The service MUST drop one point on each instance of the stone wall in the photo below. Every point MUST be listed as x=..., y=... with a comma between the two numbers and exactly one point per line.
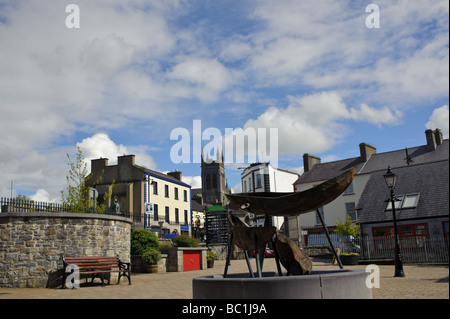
x=32, y=244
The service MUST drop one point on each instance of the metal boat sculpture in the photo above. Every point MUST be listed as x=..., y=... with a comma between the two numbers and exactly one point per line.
x=281, y=204
x=295, y=203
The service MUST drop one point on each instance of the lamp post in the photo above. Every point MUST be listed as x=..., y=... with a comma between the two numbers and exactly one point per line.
x=390, y=178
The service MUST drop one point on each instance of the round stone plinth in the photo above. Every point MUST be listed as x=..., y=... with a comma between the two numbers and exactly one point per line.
x=320, y=284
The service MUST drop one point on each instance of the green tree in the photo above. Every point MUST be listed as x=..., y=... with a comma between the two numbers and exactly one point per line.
x=76, y=195
x=347, y=228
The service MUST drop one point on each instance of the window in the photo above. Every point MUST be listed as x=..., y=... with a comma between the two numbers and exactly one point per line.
x=208, y=182
x=155, y=212
x=404, y=201
x=349, y=190
x=176, y=193
x=404, y=231
x=351, y=211
x=166, y=190
x=155, y=188
x=186, y=221
x=245, y=186
x=410, y=201
x=177, y=216
x=214, y=181
x=185, y=195
x=445, y=225
x=167, y=215
x=258, y=181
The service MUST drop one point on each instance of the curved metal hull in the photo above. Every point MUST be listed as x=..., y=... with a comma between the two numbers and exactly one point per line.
x=295, y=203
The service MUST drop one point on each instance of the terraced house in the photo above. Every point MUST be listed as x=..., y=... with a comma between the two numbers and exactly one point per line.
x=156, y=201
x=421, y=193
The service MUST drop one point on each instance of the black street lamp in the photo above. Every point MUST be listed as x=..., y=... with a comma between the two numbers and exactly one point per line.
x=390, y=178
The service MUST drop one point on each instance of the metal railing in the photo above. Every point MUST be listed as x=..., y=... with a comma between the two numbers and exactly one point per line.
x=413, y=249
x=16, y=205
x=20, y=205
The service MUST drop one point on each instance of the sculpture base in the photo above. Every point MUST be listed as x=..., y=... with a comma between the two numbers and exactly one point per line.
x=320, y=284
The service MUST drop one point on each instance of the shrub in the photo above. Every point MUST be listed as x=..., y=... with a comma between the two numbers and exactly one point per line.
x=186, y=241
x=141, y=240
x=349, y=254
x=151, y=256
x=211, y=256
x=165, y=245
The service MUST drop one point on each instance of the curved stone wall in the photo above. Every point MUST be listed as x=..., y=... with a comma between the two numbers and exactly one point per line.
x=31, y=244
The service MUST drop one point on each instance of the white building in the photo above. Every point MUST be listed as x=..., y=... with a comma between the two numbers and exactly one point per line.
x=263, y=177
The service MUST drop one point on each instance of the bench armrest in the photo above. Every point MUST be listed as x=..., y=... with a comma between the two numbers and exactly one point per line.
x=123, y=265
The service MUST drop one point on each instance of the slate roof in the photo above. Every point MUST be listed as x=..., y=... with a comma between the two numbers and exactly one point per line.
x=325, y=171
x=430, y=180
x=426, y=172
x=377, y=162
x=418, y=155
x=165, y=177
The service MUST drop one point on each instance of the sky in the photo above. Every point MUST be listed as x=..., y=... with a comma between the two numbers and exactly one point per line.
x=323, y=73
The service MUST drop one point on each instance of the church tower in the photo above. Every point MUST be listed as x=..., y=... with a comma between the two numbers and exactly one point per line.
x=214, y=185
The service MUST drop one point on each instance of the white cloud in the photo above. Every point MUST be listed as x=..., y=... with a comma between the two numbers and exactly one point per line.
x=100, y=145
x=376, y=116
x=327, y=45
x=439, y=119
x=204, y=78
x=140, y=60
x=314, y=123
x=107, y=55
x=237, y=189
x=42, y=195
x=194, y=181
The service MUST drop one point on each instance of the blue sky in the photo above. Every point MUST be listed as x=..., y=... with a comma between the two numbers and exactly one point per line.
x=136, y=70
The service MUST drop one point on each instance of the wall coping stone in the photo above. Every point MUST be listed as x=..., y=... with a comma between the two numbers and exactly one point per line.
x=65, y=215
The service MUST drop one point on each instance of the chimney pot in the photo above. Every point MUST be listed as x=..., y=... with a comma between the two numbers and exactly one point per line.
x=431, y=141
x=438, y=137
x=309, y=161
x=366, y=151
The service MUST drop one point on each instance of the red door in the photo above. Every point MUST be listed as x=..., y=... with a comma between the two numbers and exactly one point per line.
x=191, y=260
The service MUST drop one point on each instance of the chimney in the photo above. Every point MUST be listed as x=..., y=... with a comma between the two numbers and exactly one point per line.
x=431, y=141
x=309, y=161
x=176, y=174
x=366, y=151
x=127, y=160
x=438, y=137
x=97, y=165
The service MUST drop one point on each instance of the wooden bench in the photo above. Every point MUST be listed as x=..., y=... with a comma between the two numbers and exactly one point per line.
x=97, y=266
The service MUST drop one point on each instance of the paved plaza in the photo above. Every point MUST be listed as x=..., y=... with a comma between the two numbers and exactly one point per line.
x=422, y=281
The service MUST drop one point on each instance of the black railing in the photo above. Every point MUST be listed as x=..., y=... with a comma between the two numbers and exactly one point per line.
x=16, y=205
x=21, y=205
